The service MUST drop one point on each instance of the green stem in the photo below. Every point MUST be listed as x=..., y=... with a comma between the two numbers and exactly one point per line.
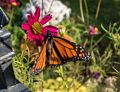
x=11, y=16
x=87, y=13
x=81, y=11
x=42, y=77
x=85, y=42
x=60, y=69
x=98, y=9
x=98, y=40
x=91, y=42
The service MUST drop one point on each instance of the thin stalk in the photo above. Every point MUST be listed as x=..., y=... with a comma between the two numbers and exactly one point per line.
x=81, y=11
x=42, y=76
x=98, y=40
x=91, y=42
x=31, y=4
x=87, y=12
x=50, y=5
x=11, y=17
x=61, y=72
x=98, y=9
x=84, y=44
x=42, y=8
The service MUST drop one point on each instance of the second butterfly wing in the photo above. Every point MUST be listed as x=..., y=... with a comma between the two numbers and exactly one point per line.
x=40, y=64
x=69, y=51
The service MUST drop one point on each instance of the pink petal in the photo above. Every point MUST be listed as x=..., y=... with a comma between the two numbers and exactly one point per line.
x=37, y=14
x=25, y=26
x=17, y=3
x=11, y=0
x=92, y=30
x=38, y=40
x=50, y=28
x=30, y=19
x=45, y=19
x=30, y=36
x=92, y=33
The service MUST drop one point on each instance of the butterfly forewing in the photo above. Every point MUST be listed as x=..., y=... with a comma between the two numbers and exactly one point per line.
x=41, y=61
x=64, y=42
x=69, y=51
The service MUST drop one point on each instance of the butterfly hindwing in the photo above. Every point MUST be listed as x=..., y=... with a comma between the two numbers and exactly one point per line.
x=55, y=60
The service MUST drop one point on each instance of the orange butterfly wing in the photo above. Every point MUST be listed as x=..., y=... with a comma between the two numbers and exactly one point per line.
x=41, y=61
x=55, y=60
x=65, y=48
x=70, y=51
x=64, y=51
x=57, y=51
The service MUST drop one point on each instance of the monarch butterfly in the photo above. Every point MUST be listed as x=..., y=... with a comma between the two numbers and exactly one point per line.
x=57, y=51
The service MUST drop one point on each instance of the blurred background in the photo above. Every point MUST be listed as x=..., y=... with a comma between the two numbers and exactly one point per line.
x=95, y=24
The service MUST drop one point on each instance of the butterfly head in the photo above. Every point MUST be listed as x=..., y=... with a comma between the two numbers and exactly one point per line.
x=49, y=34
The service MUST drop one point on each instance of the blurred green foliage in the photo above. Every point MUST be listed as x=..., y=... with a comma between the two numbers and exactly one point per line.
x=109, y=10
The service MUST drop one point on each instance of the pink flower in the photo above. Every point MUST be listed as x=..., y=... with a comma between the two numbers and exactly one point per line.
x=93, y=30
x=14, y=3
x=7, y=4
x=35, y=29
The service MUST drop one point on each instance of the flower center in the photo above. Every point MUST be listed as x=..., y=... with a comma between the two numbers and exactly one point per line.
x=37, y=27
x=14, y=3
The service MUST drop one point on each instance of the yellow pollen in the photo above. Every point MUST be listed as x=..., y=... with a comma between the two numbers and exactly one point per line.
x=96, y=29
x=37, y=27
x=14, y=3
